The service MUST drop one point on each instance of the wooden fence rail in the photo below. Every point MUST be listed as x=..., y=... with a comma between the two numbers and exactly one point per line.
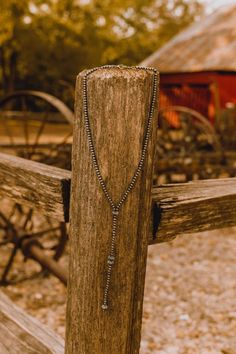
x=192, y=207
x=34, y=184
x=176, y=210
x=23, y=334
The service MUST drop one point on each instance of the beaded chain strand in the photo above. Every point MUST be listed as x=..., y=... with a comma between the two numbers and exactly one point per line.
x=116, y=207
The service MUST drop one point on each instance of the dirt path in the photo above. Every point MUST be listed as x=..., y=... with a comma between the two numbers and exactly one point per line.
x=190, y=296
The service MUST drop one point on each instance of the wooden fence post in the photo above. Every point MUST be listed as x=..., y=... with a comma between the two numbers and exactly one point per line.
x=119, y=102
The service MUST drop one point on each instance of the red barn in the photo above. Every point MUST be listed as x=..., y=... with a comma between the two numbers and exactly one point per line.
x=198, y=66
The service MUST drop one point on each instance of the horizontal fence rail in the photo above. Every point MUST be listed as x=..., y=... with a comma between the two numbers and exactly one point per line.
x=178, y=209
x=192, y=207
x=44, y=187
x=21, y=333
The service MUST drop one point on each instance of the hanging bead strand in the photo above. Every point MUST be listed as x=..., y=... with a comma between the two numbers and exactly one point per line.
x=115, y=207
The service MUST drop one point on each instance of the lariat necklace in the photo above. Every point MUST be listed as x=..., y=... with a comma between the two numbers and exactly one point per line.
x=116, y=206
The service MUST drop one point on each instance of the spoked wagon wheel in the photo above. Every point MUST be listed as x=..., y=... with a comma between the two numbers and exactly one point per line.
x=36, y=126
x=183, y=136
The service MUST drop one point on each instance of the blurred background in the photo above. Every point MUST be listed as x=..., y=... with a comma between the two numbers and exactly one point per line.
x=44, y=44
x=190, y=288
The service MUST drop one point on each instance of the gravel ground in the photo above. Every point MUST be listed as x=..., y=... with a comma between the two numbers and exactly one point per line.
x=190, y=293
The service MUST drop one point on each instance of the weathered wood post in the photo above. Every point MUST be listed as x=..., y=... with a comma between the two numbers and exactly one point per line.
x=119, y=100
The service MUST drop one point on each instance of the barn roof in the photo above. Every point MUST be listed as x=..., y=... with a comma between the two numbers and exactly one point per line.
x=207, y=45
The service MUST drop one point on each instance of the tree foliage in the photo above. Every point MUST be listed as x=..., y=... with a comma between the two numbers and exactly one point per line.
x=45, y=43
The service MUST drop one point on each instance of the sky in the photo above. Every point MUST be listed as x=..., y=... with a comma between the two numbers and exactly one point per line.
x=215, y=4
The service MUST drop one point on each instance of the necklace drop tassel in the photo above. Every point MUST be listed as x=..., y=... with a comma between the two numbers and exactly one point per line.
x=110, y=258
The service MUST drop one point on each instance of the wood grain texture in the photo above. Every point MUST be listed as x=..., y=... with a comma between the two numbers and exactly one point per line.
x=43, y=187
x=179, y=208
x=119, y=101
x=23, y=334
x=193, y=207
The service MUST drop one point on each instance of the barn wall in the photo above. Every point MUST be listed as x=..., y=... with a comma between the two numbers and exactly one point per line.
x=227, y=89
x=206, y=92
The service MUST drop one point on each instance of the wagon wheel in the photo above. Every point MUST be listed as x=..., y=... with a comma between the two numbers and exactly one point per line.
x=36, y=126
x=183, y=134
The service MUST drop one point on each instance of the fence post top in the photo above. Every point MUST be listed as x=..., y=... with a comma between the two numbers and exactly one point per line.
x=108, y=71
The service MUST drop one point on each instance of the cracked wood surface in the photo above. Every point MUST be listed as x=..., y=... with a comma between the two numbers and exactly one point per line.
x=119, y=102
x=191, y=207
x=46, y=188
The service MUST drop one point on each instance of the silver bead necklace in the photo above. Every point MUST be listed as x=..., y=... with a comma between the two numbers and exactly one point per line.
x=116, y=206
